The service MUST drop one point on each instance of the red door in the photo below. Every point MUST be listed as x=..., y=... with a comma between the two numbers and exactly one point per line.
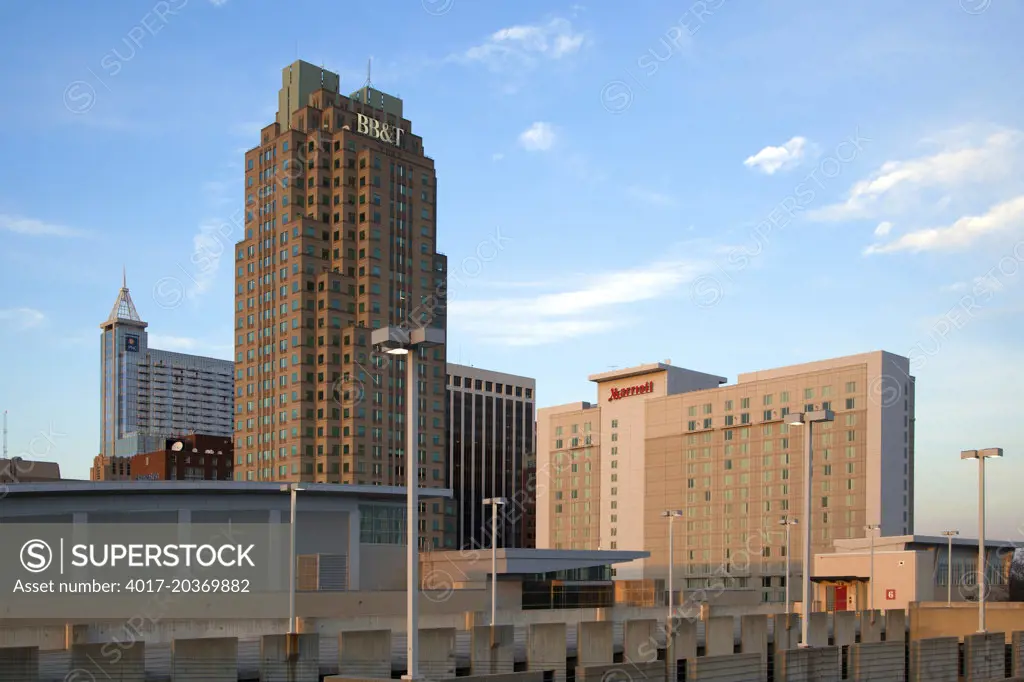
x=840, y=603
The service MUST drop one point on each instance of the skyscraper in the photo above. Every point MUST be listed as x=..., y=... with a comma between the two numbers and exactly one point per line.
x=490, y=437
x=340, y=239
x=149, y=395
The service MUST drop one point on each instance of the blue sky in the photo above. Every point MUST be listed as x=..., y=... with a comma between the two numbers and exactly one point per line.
x=734, y=187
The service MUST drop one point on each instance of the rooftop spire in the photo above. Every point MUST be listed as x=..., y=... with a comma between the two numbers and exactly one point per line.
x=124, y=309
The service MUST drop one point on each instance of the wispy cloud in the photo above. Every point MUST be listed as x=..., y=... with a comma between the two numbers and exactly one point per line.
x=218, y=3
x=539, y=137
x=650, y=196
x=896, y=183
x=883, y=229
x=773, y=159
x=37, y=228
x=594, y=306
x=1003, y=217
x=20, y=319
x=525, y=45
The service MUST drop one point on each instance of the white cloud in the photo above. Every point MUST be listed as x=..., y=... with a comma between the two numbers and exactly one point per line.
x=1003, y=217
x=772, y=159
x=525, y=45
x=37, y=228
x=650, y=196
x=896, y=182
x=20, y=319
x=208, y=244
x=589, y=308
x=218, y=3
x=539, y=137
x=883, y=229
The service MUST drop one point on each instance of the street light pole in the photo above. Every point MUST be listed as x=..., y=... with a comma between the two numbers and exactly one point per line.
x=949, y=565
x=807, y=419
x=495, y=502
x=670, y=648
x=291, y=564
x=871, y=575
x=981, y=456
x=787, y=522
x=403, y=341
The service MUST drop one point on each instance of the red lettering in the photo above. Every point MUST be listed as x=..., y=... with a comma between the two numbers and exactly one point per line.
x=639, y=389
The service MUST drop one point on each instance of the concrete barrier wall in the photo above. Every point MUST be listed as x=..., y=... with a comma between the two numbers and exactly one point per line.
x=877, y=661
x=719, y=636
x=621, y=672
x=844, y=628
x=754, y=638
x=896, y=625
x=1018, y=654
x=871, y=626
x=277, y=666
x=785, y=631
x=817, y=629
x=984, y=657
x=935, y=660
x=594, y=643
x=545, y=648
x=108, y=662
x=492, y=650
x=640, y=640
x=932, y=619
x=807, y=665
x=365, y=654
x=729, y=668
x=685, y=640
x=214, y=659
x=19, y=664
x=437, y=653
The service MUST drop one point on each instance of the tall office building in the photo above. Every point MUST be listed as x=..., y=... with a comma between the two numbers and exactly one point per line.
x=149, y=395
x=490, y=437
x=665, y=438
x=340, y=239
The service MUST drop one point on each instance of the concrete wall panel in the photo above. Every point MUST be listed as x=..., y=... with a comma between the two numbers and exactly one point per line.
x=878, y=661
x=214, y=659
x=545, y=648
x=277, y=666
x=935, y=660
x=105, y=661
x=437, y=653
x=19, y=664
x=365, y=653
x=594, y=643
x=493, y=650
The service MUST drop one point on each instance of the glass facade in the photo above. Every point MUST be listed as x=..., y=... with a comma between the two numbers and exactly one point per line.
x=381, y=525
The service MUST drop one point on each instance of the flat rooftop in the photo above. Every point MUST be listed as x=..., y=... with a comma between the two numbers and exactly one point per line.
x=72, y=488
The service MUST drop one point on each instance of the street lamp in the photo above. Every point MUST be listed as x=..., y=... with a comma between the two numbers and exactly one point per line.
x=808, y=419
x=671, y=515
x=981, y=456
x=949, y=565
x=294, y=489
x=787, y=522
x=402, y=341
x=494, y=502
x=871, y=528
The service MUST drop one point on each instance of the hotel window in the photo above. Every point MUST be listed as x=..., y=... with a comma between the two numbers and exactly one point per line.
x=768, y=414
x=728, y=405
x=745, y=418
x=707, y=408
x=615, y=437
x=615, y=449
x=850, y=403
x=728, y=420
x=768, y=399
x=826, y=391
x=615, y=423
x=691, y=411
x=851, y=436
x=851, y=386
x=728, y=435
x=615, y=464
x=744, y=403
x=784, y=397
x=808, y=393
x=707, y=423
x=690, y=425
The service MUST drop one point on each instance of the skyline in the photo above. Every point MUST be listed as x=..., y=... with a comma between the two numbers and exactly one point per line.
x=877, y=154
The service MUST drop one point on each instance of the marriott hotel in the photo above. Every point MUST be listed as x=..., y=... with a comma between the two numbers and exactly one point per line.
x=662, y=438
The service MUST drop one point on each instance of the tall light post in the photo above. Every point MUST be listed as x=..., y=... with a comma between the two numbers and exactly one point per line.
x=402, y=341
x=294, y=489
x=871, y=528
x=808, y=419
x=671, y=515
x=494, y=502
x=787, y=522
x=981, y=456
x=949, y=565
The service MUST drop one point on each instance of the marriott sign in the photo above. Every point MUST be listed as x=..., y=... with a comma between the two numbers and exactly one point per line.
x=639, y=389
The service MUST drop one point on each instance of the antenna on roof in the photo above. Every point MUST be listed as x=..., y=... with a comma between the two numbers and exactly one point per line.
x=369, y=66
x=5, y=434
x=124, y=277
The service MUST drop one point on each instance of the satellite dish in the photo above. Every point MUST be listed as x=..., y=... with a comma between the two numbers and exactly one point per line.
x=177, y=446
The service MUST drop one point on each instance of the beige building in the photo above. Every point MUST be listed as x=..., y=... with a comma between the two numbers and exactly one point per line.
x=340, y=239
x=894, y=571
x=663, y=438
